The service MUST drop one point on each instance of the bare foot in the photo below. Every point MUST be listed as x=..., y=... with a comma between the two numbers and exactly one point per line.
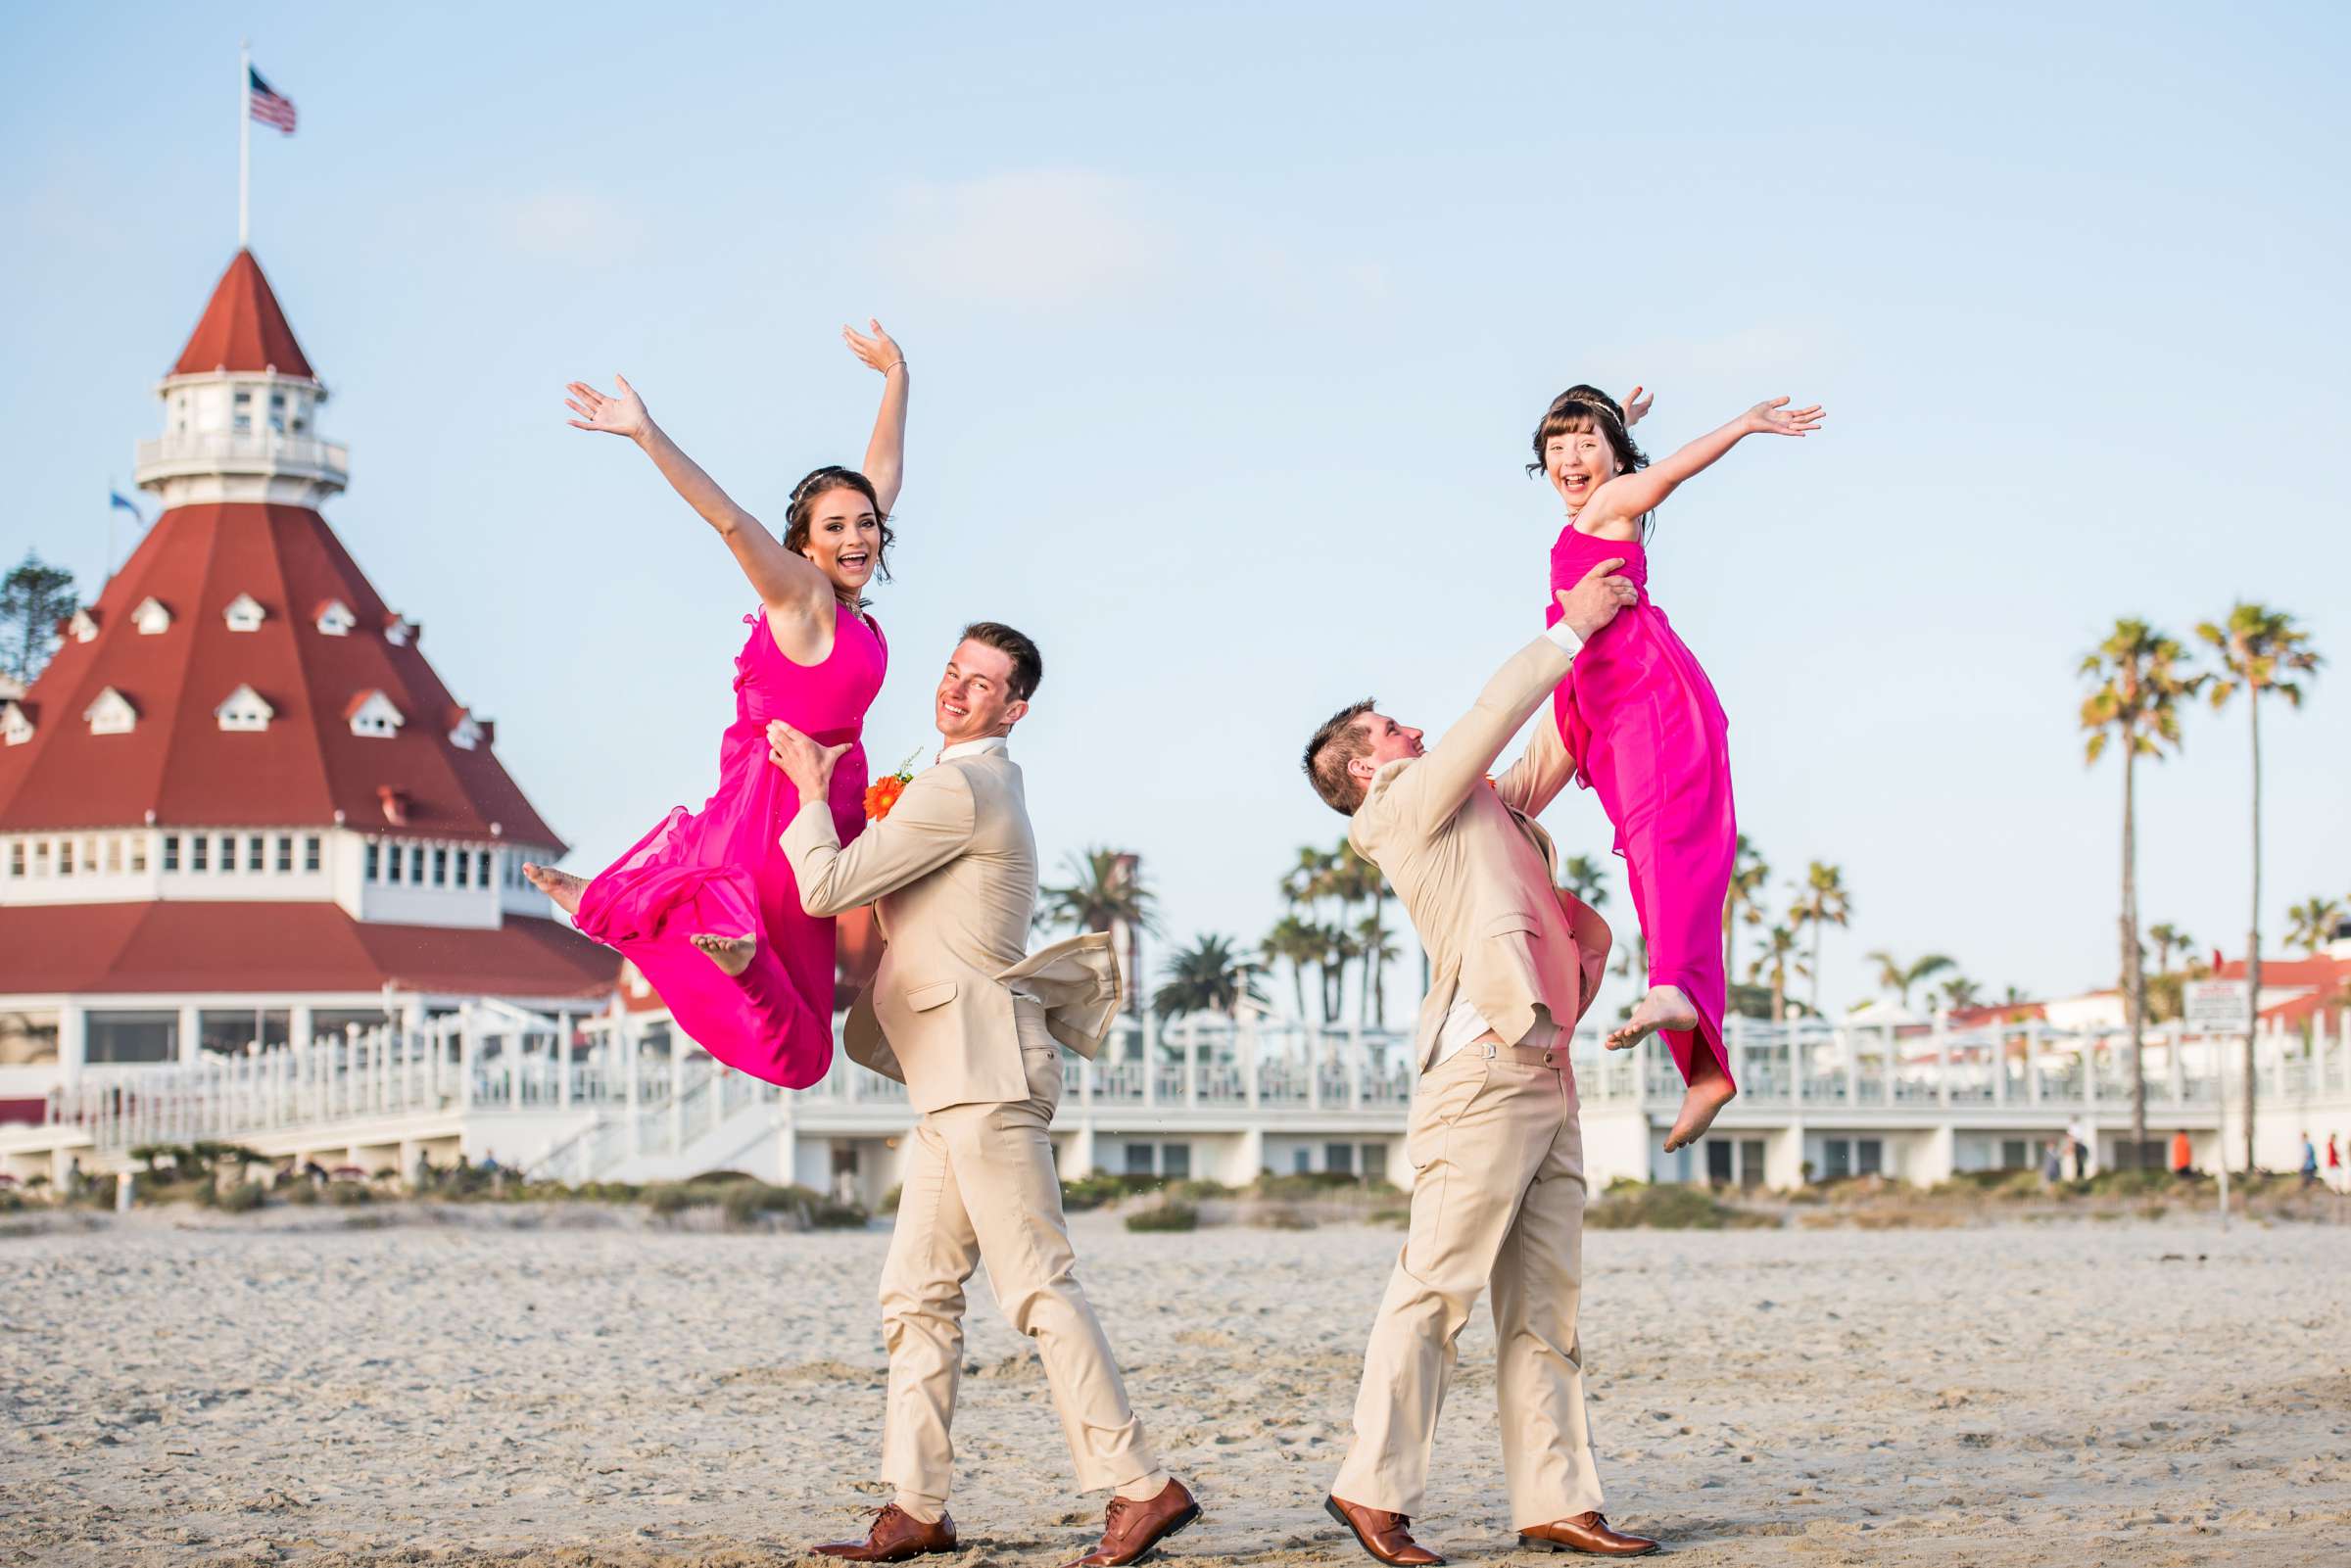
x=730, y=953
x=560, y=886
x=1663, y=1008
x=1709, y=1092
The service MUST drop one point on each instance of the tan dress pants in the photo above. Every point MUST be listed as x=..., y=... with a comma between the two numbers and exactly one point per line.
x=1498, y=1199
x=981, y=1187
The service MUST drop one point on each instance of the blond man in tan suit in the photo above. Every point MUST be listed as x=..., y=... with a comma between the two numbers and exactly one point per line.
x=1497, y=1151
x=962, y=1015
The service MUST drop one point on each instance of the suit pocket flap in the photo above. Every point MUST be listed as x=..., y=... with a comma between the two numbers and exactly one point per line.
x=922, y=998
x=1504, y=925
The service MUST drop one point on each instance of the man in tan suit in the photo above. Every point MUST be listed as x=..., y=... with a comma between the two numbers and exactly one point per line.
x=1496, y=1152
x=966, y=1020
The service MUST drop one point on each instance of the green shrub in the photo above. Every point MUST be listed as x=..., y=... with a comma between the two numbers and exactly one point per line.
x=722, y=1179
x=300, y=1191
x=243, y=1198
x=347, y=1194
x=1091, y=1192
x=889, y=1199
x=1281, y=1216
x=1668, y=1206
x=666, y=1198
x=1165, y=1216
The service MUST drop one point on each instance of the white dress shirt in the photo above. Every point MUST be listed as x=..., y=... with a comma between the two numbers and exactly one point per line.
x=975, y=748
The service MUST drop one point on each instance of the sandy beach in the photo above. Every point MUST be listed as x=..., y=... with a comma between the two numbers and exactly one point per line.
x=505, y=1387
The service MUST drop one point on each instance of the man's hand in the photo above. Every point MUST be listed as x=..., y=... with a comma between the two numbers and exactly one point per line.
x=807, y=764
x=1593, y=602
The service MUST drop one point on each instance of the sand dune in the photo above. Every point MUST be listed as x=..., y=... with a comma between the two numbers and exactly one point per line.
x=244, y=1392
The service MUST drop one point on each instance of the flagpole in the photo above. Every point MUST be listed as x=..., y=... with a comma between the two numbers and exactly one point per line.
x=243, y=142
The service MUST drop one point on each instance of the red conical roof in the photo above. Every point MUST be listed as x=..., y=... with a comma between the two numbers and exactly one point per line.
x=306, y=766
x=243, y=328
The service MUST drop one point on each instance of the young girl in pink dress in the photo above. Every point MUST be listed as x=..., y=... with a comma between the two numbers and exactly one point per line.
x=1648, y=735
x=705, y=904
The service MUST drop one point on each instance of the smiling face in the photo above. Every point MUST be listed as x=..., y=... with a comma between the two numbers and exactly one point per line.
x=844, y=537
x=1578, y=460
x=974, y=696
x=1384, y=741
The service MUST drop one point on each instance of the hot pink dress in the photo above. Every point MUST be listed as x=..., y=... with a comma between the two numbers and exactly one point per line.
x=1649, y=734
x=722, y=871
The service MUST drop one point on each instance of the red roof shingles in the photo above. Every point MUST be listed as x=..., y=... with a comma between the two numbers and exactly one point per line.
x=288, y=947
x=306, y=766
x=243, y=328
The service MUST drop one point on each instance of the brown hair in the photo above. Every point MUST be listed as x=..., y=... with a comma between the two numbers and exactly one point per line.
x=1338, y=742
x=1584, y=407
x=821, y=483
x=1028, y=664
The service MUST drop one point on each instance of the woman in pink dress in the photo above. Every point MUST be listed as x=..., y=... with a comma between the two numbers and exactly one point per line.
x=1647, y=732
x=705, y=904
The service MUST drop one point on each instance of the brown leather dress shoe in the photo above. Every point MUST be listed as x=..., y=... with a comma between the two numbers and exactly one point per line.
x=897, y=1536
x=1385, y=1536
x=1131, y=1530
x=1590, y=1533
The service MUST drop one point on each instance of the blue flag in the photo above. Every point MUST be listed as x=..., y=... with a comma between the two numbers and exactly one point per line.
x=121, y=503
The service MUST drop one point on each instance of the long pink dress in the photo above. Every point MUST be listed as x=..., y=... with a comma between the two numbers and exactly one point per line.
x=721, y=869
x=1649, y=734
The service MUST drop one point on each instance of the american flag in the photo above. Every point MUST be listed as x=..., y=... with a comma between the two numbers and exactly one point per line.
x=267, y=106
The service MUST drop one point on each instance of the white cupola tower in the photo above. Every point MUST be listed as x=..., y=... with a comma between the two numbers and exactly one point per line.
x=241, y=409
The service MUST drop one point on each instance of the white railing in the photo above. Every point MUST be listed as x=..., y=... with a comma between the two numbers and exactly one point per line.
x=257, y=448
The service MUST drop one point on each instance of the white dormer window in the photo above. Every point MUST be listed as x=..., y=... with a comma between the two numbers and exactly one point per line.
x=466, y=734
x=399, y=631
x=151, y=618
x=111, y=714
x=371, y=713
x=335, y=619
x=83, y=628
x=15, y=725
x=245, y=613
x=245, y=709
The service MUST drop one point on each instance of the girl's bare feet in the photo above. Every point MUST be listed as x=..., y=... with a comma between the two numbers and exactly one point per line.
x=560, y=886
x=730, y=953
x=1710, y=1089
x=1663, y=1008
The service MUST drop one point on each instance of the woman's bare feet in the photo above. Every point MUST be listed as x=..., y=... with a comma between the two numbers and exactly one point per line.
x=730, y=953
x=1663, y=1008
x=1710, y=1089
x=560, y=886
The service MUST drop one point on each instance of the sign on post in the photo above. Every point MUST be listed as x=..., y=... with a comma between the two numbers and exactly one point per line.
x=2214, y=1007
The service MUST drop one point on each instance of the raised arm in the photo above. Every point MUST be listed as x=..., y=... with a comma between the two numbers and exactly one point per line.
x=1432, y=788
x=1628, y=496
x=1533, y=782
x=886, y=451
x=782, y=580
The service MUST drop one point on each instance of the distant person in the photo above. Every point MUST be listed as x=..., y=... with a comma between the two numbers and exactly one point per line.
x=2335, y=1163
x=2310, y=1162
x=1644, y=730
x=705, y=904
x=74, y=1178
x=2078, y=1133
x=2052, y=1162
x=2183, y=1153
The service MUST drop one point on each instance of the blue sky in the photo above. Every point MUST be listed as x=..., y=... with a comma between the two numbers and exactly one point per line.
x=1227, y=327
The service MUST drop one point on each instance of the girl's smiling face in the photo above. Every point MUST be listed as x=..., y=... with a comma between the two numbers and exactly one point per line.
x=1578, y=461
x=844, y=537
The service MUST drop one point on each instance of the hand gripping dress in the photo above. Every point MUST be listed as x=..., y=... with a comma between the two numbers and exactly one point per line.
x=722, y=871
x=1650, y=737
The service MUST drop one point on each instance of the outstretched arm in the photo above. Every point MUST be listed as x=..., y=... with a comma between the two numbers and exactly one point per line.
x=782, y=580
x=1630, y=496
x=886, y=451
x=1431, y=789
x=1533, y=782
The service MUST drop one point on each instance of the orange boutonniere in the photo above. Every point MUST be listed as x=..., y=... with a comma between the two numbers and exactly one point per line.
x=883, y=794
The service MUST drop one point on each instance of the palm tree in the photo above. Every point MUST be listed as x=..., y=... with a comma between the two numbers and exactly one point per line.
x=2166, y=937
x=1339, y=948
x=2014, y=996
x=1371, y=938
x=2314, y=924
x=1748, y=874
x=1354, y=880
x=1104, y=891
x=1959, y=991
x=1584, y=878
x=1823, y=900
x=1894, y=978
x=1295, y=942
x=1208, y=976
x=2260, y=650
x=2141, y=678
x=1782, y=956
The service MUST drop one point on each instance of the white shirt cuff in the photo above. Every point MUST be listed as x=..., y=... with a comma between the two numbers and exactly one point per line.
x=1565, y=636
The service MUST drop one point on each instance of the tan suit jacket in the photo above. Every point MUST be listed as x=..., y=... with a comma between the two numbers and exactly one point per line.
x=1477, y=875
x=951, y=873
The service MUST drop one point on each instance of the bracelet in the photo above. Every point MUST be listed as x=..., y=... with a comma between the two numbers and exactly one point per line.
x=895, y=364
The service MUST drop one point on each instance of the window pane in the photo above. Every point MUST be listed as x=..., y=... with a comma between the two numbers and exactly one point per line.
x=374, y=861
x=1338, y=1156
x=171, y=851
x=1139, y=1160
x=64, y=857
x=285, y=852
x=256, y=852
x=1176, y=1161
x=198, y=847
x=309, y=852
x=440, y=868
x=111, y=1038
